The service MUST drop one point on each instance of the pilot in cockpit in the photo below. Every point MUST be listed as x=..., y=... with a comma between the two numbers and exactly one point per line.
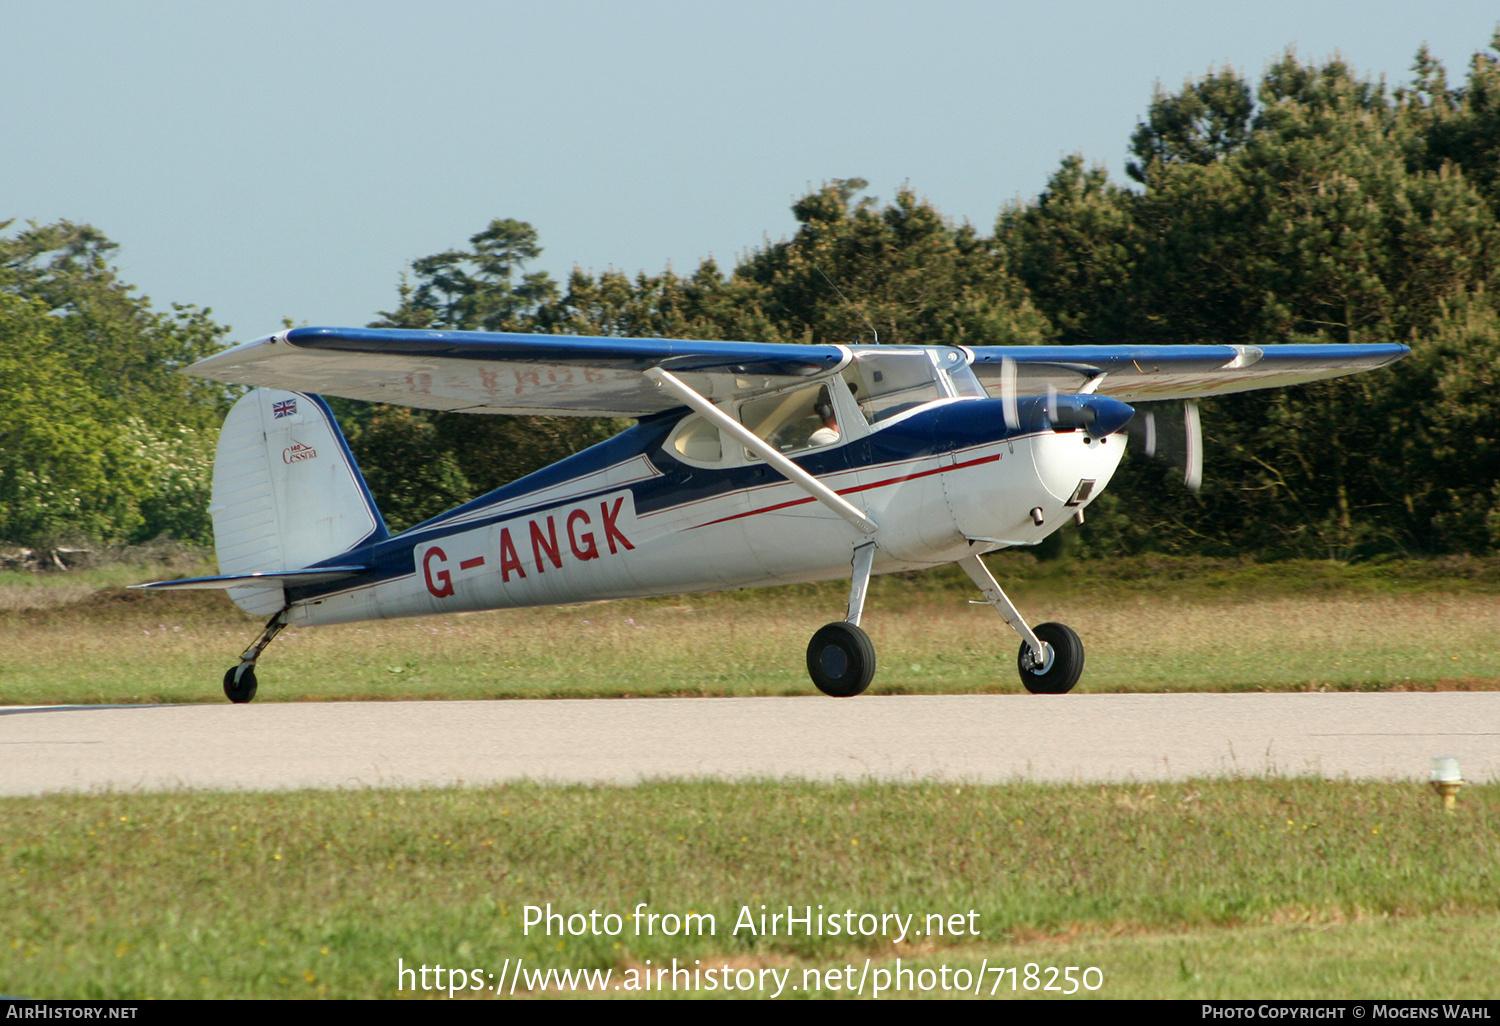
x=829, y=432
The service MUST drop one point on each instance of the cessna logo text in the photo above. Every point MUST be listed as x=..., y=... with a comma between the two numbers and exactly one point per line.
x=297, y=452
x=576, y=533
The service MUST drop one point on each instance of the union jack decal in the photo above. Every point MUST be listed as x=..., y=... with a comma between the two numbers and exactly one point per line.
x=284, y=408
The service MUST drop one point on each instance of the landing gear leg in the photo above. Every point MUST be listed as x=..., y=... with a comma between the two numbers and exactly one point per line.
x=239, y=681
x=1051, y=657
x=841, y=657
x=859, y=585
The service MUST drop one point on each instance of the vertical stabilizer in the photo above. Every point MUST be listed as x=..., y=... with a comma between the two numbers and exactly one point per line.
x=286, y=493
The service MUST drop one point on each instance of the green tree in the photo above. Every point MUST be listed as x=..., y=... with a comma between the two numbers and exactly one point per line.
x=412, y=472
x=904, y=273
x=67, y=470
x=1074, y=251
x=1449, y=394
x=101, y=437
x=126, y=351
x=1458, y=126
x=665, y=305
x=1302, y=217
x=481, y=289
x=419, y=463
x=851, y=272
x=1203, y=124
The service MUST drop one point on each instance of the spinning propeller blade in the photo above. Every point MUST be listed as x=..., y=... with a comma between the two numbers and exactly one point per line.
x=1163, y=432
x=1008, y=408
x=1192, y=471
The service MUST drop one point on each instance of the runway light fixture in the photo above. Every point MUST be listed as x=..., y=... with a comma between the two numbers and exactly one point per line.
x=1446, y=779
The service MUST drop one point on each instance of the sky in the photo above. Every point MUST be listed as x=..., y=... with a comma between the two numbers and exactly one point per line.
x=279, y=160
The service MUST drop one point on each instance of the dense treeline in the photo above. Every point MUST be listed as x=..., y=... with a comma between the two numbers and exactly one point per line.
x=1316, y=208
x=99, y=438
x=1312, y=206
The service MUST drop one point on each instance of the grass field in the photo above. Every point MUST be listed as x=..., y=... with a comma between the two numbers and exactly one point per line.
x=1291, y=888
x=1147, y=624
x=1280, y=888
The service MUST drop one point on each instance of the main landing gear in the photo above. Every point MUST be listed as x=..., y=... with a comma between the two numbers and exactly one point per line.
x=841, y=658
x=239, y=681
x=1051, y=657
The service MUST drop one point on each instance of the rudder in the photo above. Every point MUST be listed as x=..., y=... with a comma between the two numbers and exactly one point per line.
x=286, y=492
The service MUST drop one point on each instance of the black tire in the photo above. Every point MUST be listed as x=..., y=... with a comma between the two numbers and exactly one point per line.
x=841, y=660
x=1058, y=675
x=239, y=687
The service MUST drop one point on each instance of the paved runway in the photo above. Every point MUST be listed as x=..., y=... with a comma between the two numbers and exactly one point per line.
x=990, y=738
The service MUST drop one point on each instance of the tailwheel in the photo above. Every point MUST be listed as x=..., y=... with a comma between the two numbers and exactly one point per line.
x=841, y=660
x=239, y=683
x=1061, y=663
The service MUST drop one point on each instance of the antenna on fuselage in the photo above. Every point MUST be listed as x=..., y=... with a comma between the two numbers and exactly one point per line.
x=857, y=309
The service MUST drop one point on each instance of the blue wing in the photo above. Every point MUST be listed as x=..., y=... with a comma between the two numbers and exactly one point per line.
x=484, y=372
x=578, y=375
x=1151, y=373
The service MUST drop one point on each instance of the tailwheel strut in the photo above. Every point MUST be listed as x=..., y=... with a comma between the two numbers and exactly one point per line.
x=239, y=681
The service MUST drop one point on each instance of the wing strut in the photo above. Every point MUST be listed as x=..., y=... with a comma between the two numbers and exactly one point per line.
x=724, y=422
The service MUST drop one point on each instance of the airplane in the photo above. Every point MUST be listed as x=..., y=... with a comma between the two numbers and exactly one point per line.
x=749, y=464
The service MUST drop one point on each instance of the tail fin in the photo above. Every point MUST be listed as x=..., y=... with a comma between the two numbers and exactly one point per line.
x=287, y=492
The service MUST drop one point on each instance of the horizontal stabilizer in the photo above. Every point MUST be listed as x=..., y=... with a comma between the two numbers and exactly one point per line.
x=264, y=579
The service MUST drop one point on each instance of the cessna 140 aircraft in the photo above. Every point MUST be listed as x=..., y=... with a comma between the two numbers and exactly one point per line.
x=750, y=464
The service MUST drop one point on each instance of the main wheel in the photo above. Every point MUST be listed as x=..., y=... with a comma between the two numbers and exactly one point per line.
x=841, y=660
x=1062, y=665
x=239, y=683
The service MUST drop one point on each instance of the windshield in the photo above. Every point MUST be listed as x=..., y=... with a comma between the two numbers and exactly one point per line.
x=889, y=381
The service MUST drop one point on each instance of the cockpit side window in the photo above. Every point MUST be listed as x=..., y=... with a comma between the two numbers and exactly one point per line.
x=793, y=421
x=790, y=422
x=699, y=441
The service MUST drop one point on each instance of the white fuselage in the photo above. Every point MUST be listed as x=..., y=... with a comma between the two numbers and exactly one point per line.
x=584, y=539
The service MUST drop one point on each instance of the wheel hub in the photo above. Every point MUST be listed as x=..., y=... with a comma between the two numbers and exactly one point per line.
x=1048, y=657
x=834, y=662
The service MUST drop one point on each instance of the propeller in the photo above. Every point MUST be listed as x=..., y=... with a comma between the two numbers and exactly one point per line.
x=1172, y=432
x=1008, y=408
